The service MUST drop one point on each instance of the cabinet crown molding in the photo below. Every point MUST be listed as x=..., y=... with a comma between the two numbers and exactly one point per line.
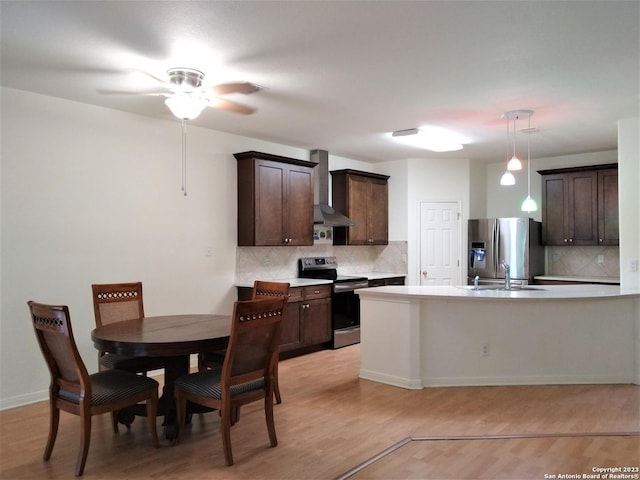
x=585, y=168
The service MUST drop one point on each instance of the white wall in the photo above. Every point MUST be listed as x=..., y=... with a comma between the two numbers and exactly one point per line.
x=477, y=190
x=92, y=195
x=629, y=201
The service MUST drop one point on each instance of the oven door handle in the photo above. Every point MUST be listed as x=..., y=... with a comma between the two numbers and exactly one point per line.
x=349, y=287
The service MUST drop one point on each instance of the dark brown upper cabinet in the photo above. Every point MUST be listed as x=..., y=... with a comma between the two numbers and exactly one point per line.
x=364, y=198
x=580, y=206
x=275, y=200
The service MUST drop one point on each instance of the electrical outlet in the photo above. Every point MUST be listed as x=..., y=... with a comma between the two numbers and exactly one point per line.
x=633, y=266
x=209, y=251
x=600, y=259
x=266, y=260
x=485, y=350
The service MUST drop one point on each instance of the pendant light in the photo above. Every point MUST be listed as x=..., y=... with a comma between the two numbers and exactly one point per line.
x=529, y=205
x=507, y=178
x=514, y=163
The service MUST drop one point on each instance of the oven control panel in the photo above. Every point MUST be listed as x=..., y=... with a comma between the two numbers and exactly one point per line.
x=316, y=263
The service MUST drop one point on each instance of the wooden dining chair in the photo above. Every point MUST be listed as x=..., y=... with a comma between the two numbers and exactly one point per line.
x=261, y=289
x=73, y=390
x=116, y=302
x=247, y=374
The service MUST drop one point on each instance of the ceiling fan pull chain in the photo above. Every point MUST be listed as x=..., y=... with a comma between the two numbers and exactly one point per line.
x=184, y=156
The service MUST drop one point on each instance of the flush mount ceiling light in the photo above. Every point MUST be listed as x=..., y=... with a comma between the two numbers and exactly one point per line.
x=429, y=138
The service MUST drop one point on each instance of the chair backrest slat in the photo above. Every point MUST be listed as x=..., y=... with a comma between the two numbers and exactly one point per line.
x=115, y=302
x=254, y=339
x=269, y=289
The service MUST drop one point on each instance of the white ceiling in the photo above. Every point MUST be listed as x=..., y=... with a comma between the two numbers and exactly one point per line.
x=339, y=75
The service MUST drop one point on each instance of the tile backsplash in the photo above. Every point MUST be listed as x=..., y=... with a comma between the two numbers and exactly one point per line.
x=593, y=261
x=273, y=263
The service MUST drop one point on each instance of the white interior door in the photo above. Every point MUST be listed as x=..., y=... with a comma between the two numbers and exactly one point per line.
x=440, y=243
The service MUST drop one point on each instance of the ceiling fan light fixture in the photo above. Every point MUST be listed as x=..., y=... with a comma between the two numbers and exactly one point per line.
x=185, y=106
x=185, y=79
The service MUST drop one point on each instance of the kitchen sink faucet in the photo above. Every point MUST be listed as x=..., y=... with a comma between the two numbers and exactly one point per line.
x=507, y=276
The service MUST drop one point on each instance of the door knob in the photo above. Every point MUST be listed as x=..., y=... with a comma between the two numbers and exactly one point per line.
x=424, y=273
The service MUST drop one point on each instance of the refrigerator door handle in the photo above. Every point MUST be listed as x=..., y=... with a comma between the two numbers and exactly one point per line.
x=496, y=247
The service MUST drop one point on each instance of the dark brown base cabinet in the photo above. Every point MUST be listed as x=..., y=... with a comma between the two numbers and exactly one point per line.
x=308, y=319
x=382, y=282
x=580, y=206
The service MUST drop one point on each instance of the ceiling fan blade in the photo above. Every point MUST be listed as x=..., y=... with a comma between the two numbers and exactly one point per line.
x=151, y=75
x=139, y=92
x=236, y=87
x=230, y=106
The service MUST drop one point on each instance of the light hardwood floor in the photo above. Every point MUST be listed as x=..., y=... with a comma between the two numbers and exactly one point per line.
x=330, y=421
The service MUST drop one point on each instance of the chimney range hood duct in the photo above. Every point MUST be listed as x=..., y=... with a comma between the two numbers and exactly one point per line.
x=322, y=212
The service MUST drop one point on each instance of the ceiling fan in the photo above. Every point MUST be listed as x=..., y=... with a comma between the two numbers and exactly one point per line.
x=186, y=97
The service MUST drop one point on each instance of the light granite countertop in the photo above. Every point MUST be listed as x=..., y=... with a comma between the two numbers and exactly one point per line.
x=537, y=292
x=377, y=275
x=293, y=282
x=575, y=278
x=305, y=282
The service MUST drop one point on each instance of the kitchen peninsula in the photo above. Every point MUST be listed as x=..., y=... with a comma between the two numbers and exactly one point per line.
x=419, y=336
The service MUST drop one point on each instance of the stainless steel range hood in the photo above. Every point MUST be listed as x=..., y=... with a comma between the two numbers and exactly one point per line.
x=322, y=212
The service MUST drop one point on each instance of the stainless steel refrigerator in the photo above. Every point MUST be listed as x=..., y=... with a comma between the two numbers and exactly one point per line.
x=514, y=241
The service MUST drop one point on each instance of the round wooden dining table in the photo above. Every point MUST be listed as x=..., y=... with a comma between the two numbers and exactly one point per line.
x=173, y=337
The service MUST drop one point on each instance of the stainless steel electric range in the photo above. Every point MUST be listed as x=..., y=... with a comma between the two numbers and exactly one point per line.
x=345, y=304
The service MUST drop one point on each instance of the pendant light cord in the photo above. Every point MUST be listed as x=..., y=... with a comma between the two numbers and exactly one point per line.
x=508, y=144
x=514, y=135
x=529, y=159
x=184, y=157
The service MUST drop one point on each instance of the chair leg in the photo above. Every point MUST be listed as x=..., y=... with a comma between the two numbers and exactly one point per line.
x=152, y=410
x=268, y=412
x=201, y=365
x=181, y=413
x=85, y=439
x=225, y=429
x=114, y=421
x=276, y=384
x=54, y=421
